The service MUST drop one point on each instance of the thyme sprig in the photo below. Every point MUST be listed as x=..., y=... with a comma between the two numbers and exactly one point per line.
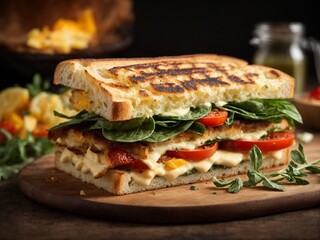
x=295, y=172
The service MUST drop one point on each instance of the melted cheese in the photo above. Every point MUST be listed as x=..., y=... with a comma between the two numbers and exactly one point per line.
x=253, y=135
x=182, y=111
x=224, y=158
x=95, y=163
x=90, y=162
x=178, y=112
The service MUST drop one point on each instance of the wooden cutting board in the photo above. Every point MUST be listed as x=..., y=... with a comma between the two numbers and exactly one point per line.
x=41, y=182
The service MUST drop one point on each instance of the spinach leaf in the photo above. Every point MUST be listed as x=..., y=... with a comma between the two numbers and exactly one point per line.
x=197, y=128
x=122, y=125
x=81, y=117
x=136, y=134
x=163, y=133
x=168, y=124
x=263, y=109
x=157, y=129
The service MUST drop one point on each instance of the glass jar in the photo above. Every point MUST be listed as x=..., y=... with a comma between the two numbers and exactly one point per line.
x=279, y=45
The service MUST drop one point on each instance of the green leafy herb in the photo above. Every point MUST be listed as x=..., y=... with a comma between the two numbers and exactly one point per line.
x=263, y=109
x=161, y=133
x=161, y=128
x=235, y=184
x=156, y=129
x=15, y=152
x=294, y=172
x=81, y=117
x=139, y=133
x=37, y=85
x=194, y=188
x=123, y=125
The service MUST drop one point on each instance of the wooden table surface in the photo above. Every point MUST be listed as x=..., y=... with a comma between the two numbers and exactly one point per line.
x=22, y=218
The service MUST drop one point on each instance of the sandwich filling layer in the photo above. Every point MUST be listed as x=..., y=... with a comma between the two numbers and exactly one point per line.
x=91, y=153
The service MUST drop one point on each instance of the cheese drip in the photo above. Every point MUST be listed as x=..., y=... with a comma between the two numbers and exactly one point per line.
x=95, y=163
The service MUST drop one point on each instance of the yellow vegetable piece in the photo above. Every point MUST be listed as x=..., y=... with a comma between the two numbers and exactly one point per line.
x=42, y=107
x=16, y=120
x=30, y=123
x=175, y=163
x=12, y=99
x=44, y=104
x=87, y=21
x=65, y=34
x=81, y=101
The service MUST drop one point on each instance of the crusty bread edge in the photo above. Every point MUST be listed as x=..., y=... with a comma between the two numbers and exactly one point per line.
x=119, y=182
x=83, y=74
x=280, y=75
x=118, y=62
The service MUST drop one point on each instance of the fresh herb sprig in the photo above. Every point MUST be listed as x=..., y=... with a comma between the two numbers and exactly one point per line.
x=38, y=85
x=294, y=173
x=16, y=152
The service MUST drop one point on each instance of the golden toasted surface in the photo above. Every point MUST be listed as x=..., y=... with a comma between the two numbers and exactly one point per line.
x=178, y=76
x=121, y=89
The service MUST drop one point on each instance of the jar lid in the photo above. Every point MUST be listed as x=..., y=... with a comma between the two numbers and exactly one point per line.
x=279, y=31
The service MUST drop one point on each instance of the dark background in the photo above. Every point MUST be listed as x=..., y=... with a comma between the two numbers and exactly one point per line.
x=164, y=27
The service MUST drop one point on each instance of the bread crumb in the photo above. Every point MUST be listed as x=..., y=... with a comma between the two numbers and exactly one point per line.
x=193, y=188
x=82, y=193
x=52, y=179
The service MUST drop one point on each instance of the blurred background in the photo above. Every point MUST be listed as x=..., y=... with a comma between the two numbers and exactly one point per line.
x=153, y=28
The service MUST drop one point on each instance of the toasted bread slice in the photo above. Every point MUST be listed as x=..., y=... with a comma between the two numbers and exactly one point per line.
x=122, y=89
x=120, y=182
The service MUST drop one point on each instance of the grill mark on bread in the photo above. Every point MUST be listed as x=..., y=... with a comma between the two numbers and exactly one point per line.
x=193, y=83
x=117, y=86
x=143, y=93
x=237, y=79
x=92, y=75
x=250, y=76
x=152, y=71
x=274, y=72
x=168, y=87
x=177, y=77
x=143, y=77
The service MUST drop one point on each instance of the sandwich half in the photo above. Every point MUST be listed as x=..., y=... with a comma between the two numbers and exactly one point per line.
x=150, y=123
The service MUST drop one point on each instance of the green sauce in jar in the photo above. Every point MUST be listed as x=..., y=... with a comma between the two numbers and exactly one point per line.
x=278, y=46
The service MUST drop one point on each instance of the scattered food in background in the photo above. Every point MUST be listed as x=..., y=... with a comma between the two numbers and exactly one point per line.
x=25, y=115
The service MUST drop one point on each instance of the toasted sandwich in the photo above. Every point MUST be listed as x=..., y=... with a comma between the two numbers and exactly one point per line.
x=151, y=123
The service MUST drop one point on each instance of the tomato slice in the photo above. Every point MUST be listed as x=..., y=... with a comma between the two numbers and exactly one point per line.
x=121, y=158
x=315, y=93
x=273, y=142
x=8, y=126
x=214, y=118
x=197, y=154
x=40, y=131
x=137, y=165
